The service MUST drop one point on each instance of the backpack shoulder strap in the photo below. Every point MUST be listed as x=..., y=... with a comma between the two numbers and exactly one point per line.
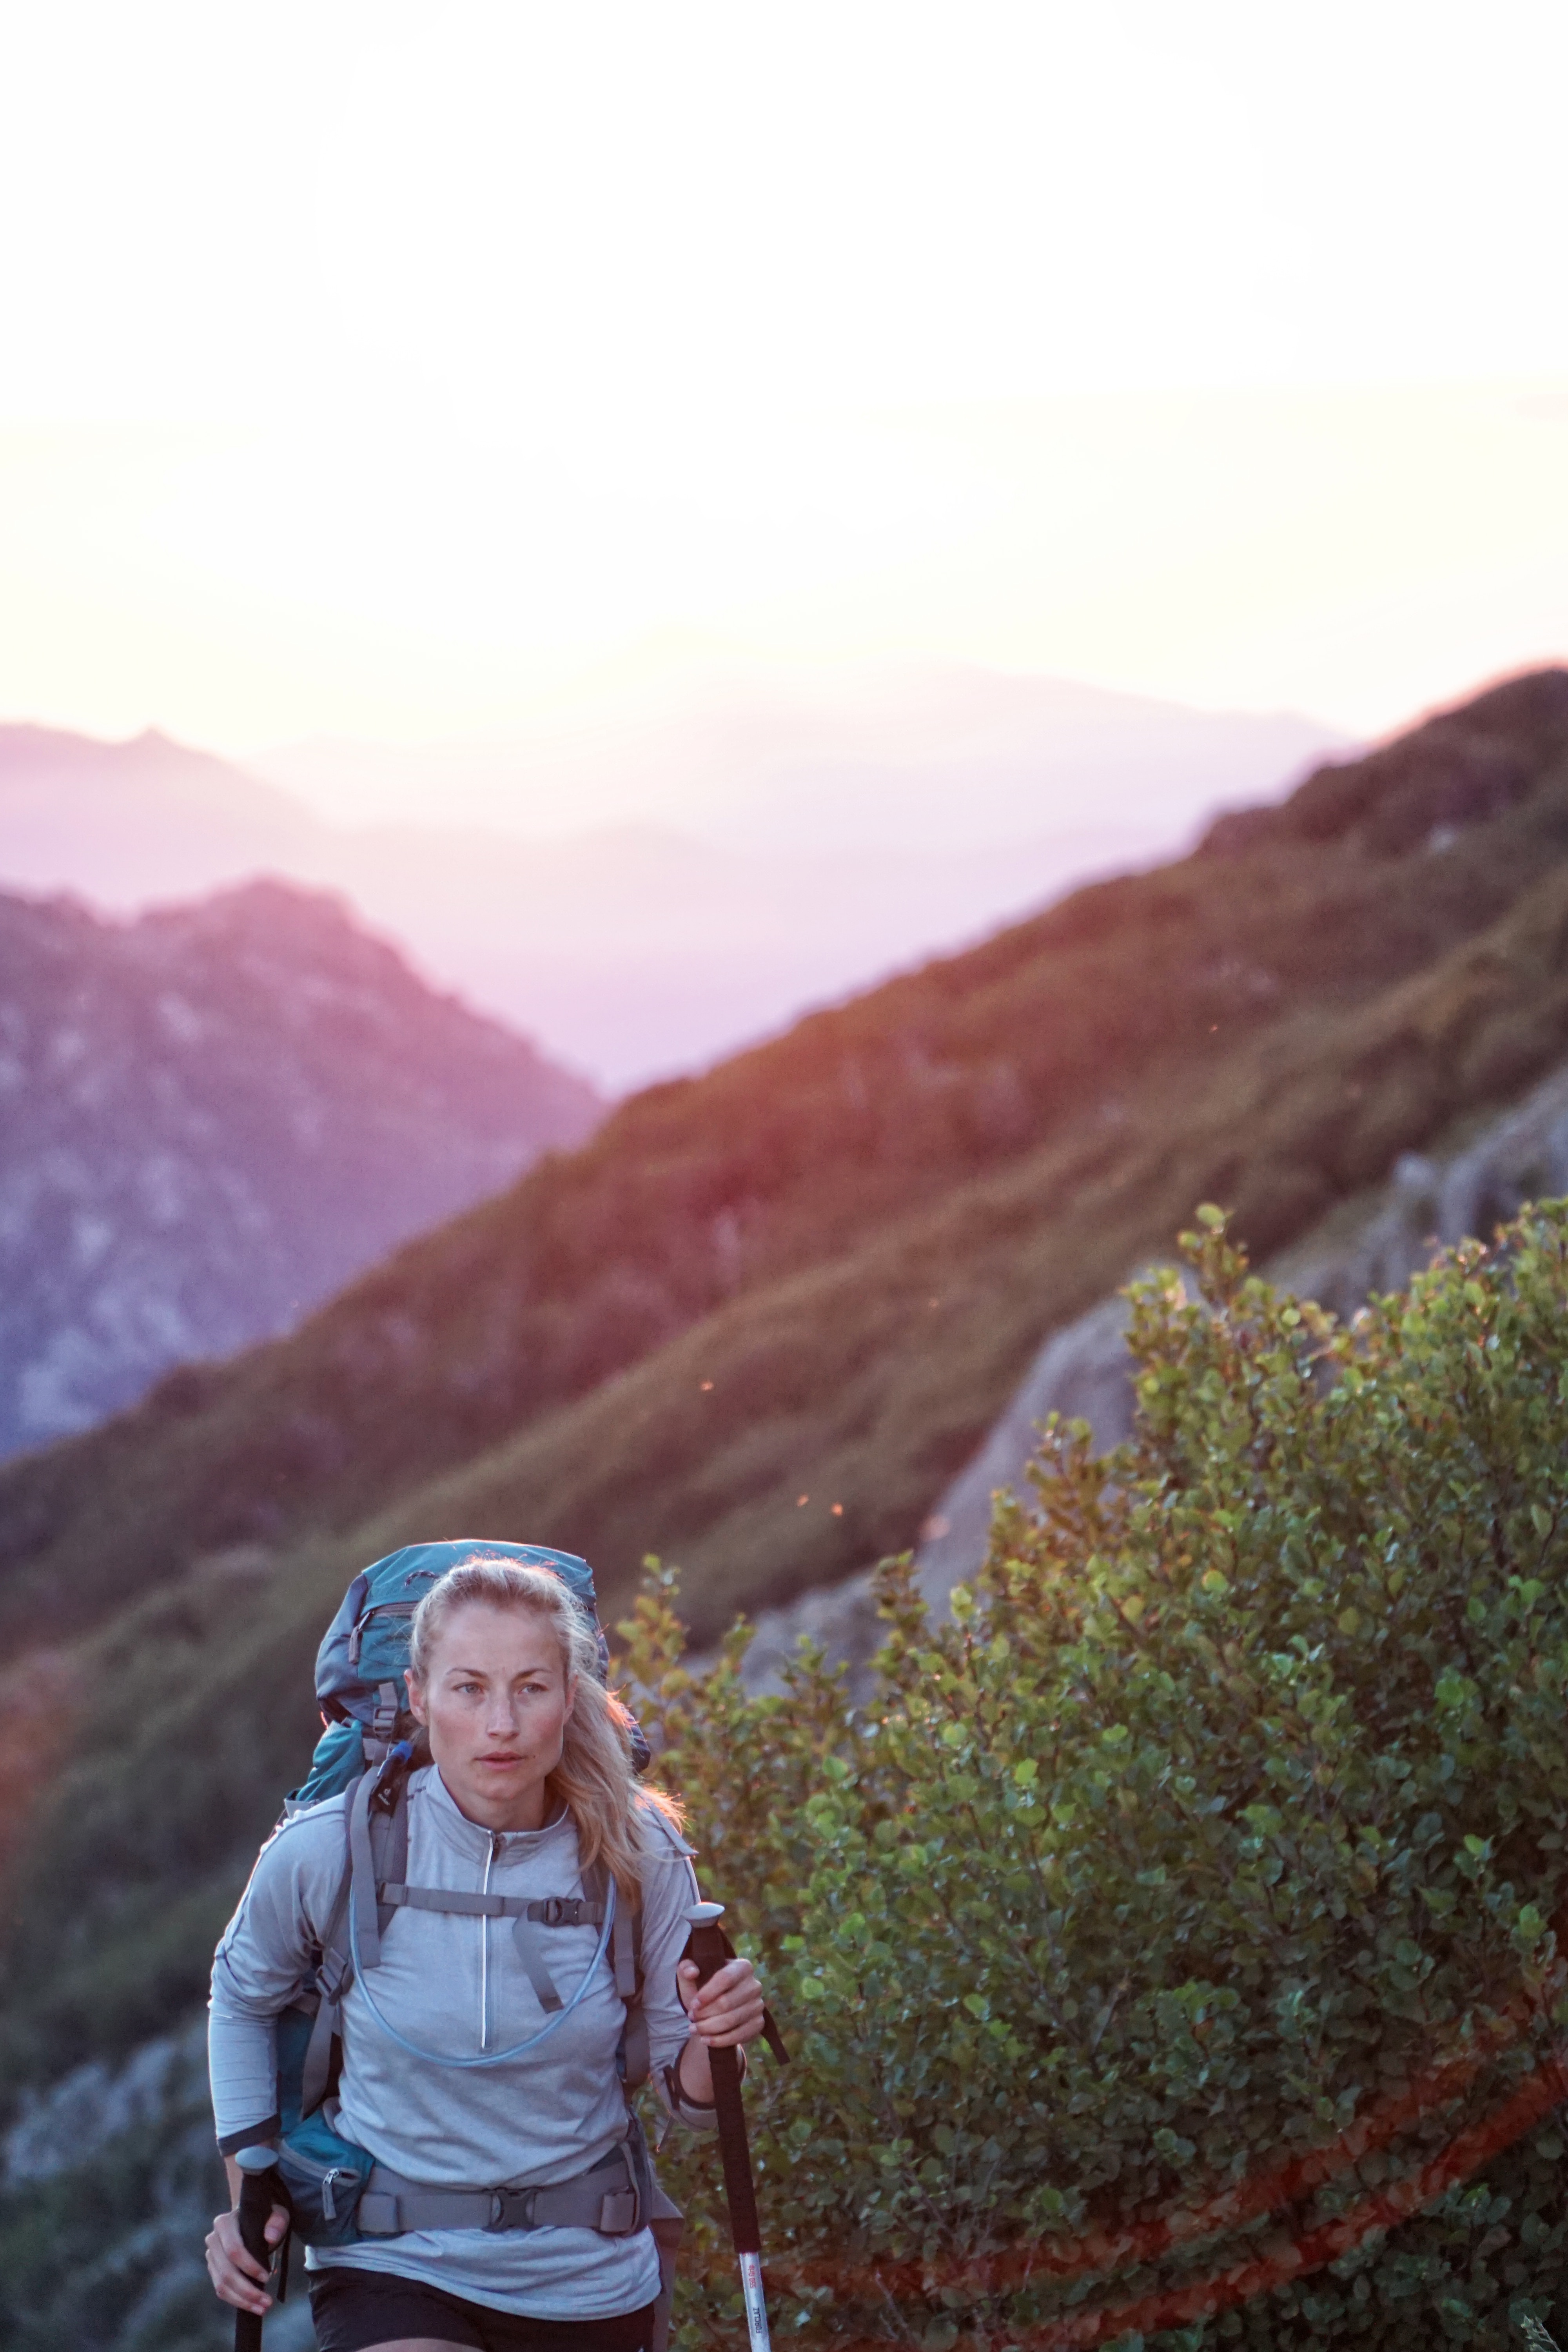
x=332, y=1974
x=625, y=1950
x=378, y=1850
x=625, y=1960
x=374, y=1834
x=389, y=1851
x=363, y=1911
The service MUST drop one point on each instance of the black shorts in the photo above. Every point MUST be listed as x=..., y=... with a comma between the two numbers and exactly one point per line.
x=354, y=2309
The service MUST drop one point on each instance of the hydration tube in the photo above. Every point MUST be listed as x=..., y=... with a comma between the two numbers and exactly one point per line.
x=487, y=2057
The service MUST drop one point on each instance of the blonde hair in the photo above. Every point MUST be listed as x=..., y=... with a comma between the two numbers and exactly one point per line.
x=594, y=1779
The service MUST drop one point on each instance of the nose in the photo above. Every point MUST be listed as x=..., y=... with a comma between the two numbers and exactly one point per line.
x=501, y=1717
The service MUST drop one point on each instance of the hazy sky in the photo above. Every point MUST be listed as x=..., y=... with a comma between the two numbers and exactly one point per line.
x=386, y=371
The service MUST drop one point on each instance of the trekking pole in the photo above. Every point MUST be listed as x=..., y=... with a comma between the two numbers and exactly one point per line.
x=709, y=1947
x=259, y=2190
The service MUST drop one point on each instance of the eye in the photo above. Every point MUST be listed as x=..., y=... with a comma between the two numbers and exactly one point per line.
x=463, y=1689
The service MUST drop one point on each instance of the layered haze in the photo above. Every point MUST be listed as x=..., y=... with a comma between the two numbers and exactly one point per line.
x=656, y=883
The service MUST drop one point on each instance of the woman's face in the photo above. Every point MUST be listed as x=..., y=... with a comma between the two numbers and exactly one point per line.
x=495, y=1706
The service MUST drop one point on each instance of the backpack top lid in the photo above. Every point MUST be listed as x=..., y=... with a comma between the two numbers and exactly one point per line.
x=365, y=1647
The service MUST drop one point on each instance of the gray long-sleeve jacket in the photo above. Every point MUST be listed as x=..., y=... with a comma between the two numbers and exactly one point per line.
x=454, y=1987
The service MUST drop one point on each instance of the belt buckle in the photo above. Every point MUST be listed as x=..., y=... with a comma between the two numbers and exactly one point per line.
x=561, y=1910
x=511, y=2208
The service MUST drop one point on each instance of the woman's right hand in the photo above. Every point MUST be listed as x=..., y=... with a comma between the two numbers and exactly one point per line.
x=238, y=2276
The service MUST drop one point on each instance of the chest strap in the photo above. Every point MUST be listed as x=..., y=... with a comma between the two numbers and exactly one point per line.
x=374, y=1886
x=609, y=2198
x=549, y=1911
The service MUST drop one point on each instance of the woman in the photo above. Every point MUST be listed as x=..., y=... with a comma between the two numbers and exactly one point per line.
x=529, y=1786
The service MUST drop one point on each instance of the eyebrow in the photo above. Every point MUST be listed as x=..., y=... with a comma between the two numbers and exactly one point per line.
x=482, y=1674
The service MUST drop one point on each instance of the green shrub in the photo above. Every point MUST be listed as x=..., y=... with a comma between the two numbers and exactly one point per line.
x=1212, y=1850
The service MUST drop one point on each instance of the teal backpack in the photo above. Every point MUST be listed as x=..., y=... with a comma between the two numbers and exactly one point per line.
x=336, y=2192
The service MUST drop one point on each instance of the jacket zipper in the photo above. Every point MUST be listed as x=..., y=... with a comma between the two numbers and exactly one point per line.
x=485, y=1948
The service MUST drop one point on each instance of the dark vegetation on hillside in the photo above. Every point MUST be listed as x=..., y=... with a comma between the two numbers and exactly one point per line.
x=818, y=1271
x=1175, y=1940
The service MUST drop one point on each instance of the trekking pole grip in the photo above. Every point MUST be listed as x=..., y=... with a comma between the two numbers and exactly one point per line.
x=709, y=1949
x=259, y=2190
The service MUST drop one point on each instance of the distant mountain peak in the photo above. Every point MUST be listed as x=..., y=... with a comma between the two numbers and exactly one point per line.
x=685, y=872
x=215, y=1114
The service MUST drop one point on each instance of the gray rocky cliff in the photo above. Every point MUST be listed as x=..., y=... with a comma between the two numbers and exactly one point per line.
x=130, y=2146
x=1374, y=1243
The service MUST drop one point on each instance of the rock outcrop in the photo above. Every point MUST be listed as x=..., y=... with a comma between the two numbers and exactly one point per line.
x=145, y=2286
x=1370, y=1244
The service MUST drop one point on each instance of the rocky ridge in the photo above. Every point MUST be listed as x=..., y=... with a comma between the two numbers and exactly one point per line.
x=212, y=1117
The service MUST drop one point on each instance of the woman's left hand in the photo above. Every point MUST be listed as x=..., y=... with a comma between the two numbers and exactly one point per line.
x=727, y=2011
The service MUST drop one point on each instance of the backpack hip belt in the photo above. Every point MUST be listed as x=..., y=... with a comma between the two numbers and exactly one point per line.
x=389, y=2204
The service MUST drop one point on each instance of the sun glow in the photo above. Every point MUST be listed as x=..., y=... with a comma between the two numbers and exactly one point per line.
x=394, y=372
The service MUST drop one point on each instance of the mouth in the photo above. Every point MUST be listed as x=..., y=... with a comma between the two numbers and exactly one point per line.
x=499, y=1760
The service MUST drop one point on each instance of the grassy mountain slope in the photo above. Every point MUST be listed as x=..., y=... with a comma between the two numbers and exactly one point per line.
x=1084, y=1035
x=857, y=1236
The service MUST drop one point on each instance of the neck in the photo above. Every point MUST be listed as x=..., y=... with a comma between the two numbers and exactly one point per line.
x=523, y=1808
